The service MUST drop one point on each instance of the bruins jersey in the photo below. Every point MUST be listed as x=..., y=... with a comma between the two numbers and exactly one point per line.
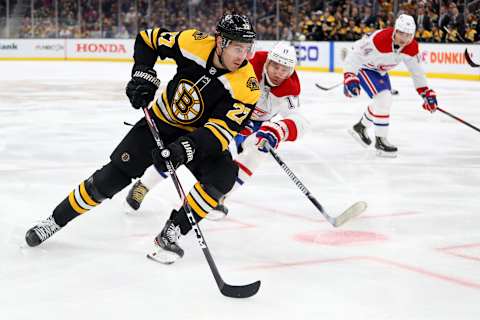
x=212, y=104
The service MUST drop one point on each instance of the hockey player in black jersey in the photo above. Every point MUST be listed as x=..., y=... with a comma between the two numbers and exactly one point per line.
x=200, y=111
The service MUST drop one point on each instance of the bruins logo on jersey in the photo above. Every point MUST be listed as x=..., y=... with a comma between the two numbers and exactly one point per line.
x=252, y=84
x=187, y=106
x=198, y=35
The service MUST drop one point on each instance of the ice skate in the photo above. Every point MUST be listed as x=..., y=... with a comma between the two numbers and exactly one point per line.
x=41, y=232
x=359, y=133
x=384, y=148
x=135, y=197
x=218, y=213
x=167, y=250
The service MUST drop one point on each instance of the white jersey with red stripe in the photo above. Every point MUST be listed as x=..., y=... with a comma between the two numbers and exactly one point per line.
x=282, y=100
x=376, y=52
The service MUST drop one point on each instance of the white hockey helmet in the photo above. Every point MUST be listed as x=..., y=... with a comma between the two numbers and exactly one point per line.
x=284, y=54
x=405, y=23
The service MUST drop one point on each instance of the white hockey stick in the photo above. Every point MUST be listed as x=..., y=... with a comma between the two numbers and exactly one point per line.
x=356, y=209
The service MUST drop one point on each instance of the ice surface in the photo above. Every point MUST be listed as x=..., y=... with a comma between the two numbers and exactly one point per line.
x=414, y=254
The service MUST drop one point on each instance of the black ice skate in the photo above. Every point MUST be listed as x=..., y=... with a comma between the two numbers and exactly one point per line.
x=359, y=133
x=384, y=148
x=135, y=197
x=168, y=251
x=41, y=232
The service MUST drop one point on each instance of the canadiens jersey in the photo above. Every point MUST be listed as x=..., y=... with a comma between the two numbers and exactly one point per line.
x=212, y=104
x=282, y=100
x=376, y=52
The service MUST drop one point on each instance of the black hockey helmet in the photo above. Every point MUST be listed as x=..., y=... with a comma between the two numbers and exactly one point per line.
x=236, y=27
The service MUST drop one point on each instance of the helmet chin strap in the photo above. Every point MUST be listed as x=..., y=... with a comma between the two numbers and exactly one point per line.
x=267, y=78
x=224, y=44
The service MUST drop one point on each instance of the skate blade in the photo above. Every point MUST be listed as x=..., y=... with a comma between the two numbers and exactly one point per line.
x=215, y=215
x=129, y=210
x=357, y=138
x=383, y=154
x=163, y=257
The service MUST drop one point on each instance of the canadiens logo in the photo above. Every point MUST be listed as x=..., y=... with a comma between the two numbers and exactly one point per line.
x=252, y=84
x=198, y=35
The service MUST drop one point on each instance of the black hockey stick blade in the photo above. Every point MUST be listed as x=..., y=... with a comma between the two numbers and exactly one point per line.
x=226, y=289
x=470, y=61
x=328, y=88
x=245, y=291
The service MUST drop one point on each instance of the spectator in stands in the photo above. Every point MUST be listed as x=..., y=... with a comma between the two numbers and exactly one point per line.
x=421, y=19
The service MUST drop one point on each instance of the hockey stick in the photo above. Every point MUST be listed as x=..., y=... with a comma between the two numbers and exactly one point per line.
x=356, y=209
x=244, y=291
x=328, y=88
x=458, y=119
x=394, y=91
x=470, y=61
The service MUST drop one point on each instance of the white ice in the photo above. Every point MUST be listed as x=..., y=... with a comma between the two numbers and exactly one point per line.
x=414, y=254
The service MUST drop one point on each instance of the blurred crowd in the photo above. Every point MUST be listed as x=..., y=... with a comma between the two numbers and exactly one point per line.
x=340, y=20
x=437, y=21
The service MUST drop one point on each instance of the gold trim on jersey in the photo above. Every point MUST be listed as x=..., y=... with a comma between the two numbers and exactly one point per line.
x=195, y=47
x=155, y=37
x=239, y=84
x=200, y=201
x=221, y=131
x=218, y=134
x=224, y=125
x=146, y=37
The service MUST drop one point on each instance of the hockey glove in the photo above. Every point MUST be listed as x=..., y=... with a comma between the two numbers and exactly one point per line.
x=429, y=98
x=142, y=87
x=271, y=133
x=179, y=152
x=351, y=85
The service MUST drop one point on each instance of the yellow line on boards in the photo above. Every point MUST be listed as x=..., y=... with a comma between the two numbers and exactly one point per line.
x=470, y=77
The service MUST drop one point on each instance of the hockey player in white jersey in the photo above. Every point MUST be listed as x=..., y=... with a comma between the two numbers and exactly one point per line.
x=280, y=89
x=367, y=65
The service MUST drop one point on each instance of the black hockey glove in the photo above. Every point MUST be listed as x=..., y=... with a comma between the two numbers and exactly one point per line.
x=179, y=152
x=141, y=89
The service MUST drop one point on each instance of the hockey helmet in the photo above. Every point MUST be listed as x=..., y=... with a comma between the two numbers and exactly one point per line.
x=405, y=23
x=236, y=27
x=284, y=54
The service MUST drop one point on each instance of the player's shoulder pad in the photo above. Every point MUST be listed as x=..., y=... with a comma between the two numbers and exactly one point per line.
x=289, y=87
x=411, y=49
x=383, y=40
x=196, y=45
x=242, y=84
x=258, y=61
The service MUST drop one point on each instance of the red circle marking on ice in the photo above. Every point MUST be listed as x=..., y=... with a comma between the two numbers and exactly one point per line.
x=339, y=238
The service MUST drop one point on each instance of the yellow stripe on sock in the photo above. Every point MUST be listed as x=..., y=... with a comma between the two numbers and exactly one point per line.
x=74, y=204
x=212, y=202
x=85, y=196
x=195, y=207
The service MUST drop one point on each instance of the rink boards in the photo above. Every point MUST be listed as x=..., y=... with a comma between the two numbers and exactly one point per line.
x=438, y=60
